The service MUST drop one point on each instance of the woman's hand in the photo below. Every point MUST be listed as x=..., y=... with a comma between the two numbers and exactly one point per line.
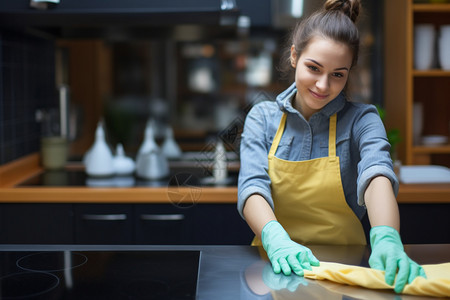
x=285, y=254
x=279, y=281
x=388, y=255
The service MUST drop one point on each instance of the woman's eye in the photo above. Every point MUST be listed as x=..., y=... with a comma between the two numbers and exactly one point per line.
x=313, y=68
x=339, y=75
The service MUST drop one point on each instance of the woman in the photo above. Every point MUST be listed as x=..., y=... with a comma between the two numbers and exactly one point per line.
x=313, y=162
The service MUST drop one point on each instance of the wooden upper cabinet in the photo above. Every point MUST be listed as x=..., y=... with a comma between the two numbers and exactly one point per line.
x=407, y=88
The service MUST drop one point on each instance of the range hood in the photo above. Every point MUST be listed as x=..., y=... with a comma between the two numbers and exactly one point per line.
x=72, y=17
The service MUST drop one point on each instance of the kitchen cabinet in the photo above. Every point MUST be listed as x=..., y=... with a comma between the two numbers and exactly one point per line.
x=425, y=223
x=260, y=17
x=163, y=224
x=26, y=223
x=103, y=224
x=122, y=224
x=220, y=224
x=98, y=14
x=406, y=87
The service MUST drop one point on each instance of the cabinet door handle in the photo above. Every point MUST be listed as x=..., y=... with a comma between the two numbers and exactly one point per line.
x=110, y=217
x=159, y=217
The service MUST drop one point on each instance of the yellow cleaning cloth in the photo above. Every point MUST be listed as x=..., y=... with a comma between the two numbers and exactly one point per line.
x=437, y=283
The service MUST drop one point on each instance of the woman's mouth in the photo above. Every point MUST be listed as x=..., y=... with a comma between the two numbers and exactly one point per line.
x=318, y=95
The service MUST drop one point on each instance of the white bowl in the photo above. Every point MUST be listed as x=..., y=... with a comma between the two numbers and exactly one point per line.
x=432, y=140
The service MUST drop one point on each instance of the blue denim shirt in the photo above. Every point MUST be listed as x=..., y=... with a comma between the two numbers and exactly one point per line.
x=361, y=145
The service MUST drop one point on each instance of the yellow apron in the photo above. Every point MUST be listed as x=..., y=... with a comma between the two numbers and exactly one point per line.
x=309, y=199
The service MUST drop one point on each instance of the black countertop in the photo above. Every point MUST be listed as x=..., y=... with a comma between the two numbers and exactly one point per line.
x=235, y=272
x=197, y=177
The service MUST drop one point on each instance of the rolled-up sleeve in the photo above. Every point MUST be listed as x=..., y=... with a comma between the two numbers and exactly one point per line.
x=253, y=176
x=374, y=151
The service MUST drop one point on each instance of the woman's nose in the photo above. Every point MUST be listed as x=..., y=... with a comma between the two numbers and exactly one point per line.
x=322, y=82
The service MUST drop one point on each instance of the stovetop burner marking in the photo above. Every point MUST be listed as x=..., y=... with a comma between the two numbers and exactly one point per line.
x=25, y=285
x=51, y=261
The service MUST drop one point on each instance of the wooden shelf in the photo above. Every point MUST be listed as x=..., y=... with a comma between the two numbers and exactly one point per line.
x=431, y=73
x=419, y=149
x=431, y=7
x=405, y=86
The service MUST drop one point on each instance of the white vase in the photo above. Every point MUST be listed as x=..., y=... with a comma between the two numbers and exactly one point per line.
x=170, y=148
x=424, y=41
x=123, y=165
x=444, y=47
x=99, y=158
x=148, y=144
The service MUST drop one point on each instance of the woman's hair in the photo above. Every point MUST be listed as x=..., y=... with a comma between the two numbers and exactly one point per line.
x=335, y=21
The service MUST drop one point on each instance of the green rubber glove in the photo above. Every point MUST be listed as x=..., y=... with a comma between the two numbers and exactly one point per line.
x=279, y=281
x=285, y=254
x=388, y=255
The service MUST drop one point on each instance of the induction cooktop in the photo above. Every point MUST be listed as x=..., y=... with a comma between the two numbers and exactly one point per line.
x=99, y=274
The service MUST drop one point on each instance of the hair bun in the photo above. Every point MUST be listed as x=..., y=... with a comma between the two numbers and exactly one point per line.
x=348, y=7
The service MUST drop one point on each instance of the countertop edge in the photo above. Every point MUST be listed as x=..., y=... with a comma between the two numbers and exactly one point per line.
x=182, y=195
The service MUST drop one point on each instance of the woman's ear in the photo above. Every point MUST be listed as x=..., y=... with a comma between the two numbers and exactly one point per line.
x=293, y=57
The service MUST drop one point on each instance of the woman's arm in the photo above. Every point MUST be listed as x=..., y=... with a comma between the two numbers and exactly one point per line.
x=387, y=249
x=257, y=212
x=381, y=204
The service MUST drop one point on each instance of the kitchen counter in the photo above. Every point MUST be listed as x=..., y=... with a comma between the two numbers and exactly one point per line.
x=235, y=272
x=14, y=173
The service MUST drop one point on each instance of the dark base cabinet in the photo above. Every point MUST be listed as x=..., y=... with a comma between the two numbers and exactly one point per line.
x=168, y=224
x=425, y=223
x=220, y=224
x=25, y=223
x=163, y=224
x=123, y=224
x=103, y=224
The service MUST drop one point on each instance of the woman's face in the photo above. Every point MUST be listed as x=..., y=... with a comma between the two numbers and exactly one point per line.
x=321, y=73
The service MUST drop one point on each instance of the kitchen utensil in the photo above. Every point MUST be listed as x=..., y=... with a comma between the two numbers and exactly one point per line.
x=424, y=37
x=170, y=148
x=64, y=110
x=220, y=171
x=53, y=152
x=444, y=47
x=150, y=162
x=123, y=165
x=149, y=142
x=152, y=165
x=99, y=158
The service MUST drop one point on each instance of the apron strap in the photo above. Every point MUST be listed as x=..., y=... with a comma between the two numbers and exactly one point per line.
x=332, y=137
x=278, y=135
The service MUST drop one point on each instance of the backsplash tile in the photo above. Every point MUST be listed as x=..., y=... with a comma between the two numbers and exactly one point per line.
x=27, y=83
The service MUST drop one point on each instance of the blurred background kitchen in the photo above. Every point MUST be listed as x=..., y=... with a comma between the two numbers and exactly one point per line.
x=197, y=73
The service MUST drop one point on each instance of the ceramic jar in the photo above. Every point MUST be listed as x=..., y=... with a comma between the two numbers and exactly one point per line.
x=424, y=41
x=444, y=47
x=99, y=158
